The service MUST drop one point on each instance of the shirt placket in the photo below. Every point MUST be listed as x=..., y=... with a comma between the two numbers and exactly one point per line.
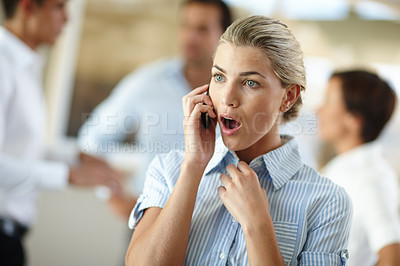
x=232, y=228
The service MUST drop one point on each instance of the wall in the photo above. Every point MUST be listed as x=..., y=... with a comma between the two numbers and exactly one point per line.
x=75, y=227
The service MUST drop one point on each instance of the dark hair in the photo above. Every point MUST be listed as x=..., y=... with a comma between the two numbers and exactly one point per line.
x=226, y=16
x=368, y=96
x=10, y=6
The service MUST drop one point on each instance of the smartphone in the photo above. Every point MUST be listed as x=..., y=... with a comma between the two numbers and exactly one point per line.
x=205, y=118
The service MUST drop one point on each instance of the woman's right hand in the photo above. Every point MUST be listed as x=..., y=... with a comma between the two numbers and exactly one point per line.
x=199, y=141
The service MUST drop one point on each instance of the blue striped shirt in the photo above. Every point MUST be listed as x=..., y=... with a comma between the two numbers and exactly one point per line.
x=311, y=214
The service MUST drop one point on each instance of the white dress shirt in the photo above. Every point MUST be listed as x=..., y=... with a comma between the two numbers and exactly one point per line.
x=372, y=185
x=22, y=131
x=146, y=103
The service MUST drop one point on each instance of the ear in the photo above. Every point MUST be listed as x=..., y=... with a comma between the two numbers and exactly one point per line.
x=354, y=123
x=27, y=6
x=291, y=95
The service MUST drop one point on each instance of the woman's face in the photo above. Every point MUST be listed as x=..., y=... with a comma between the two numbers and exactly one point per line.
x=332, y=115
x=247, y=97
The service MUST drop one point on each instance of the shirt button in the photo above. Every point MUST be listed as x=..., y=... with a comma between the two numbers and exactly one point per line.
x=222, y=256
x=233, y=220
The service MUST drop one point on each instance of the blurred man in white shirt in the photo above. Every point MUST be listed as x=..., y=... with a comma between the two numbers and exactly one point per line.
x=23, y=171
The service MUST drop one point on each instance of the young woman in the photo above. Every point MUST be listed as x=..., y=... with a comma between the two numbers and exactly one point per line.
x=245, y=198
x=358, y=105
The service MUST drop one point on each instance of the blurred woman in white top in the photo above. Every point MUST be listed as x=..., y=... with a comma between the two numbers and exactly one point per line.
x=357, y=107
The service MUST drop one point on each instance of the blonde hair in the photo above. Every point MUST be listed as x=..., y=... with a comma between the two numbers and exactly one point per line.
x=278, y=43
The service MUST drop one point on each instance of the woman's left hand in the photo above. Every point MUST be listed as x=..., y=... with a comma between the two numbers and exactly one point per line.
x=243, y=196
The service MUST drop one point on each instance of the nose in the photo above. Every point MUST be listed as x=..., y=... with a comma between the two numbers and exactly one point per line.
x=190, y=35
x=231, y=96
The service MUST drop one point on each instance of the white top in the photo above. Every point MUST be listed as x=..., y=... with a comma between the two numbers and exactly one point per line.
x=146, y=103
x=22, y=132
x=372, y=185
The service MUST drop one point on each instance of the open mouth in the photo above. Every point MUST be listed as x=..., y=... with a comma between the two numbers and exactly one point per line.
x=229, y=125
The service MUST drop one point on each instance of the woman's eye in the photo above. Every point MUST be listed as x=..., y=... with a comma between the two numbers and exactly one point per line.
x=219, y=78
x=251, y=83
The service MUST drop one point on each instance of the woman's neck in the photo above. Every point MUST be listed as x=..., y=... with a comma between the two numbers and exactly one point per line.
x=264, y=145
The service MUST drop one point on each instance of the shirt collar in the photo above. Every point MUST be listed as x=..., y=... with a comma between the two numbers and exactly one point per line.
x=281, y=163
x=220, y=152
x=20, y=53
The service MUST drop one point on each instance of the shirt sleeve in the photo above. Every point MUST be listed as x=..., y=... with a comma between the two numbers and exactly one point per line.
x=114, y=118
x=17, y=174
x=156, y=190
x=328, y=238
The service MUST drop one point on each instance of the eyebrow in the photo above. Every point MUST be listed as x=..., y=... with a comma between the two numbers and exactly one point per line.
x=247, y=73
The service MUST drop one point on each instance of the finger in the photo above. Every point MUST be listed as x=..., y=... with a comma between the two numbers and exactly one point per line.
x=199, y=90
x=225, y=180
x=210, y=111
x=213, y=120
x=232, y=170
x=200, y=108
x=191, y=101
x=244, y=168
x=221, y=192
x=202, y=99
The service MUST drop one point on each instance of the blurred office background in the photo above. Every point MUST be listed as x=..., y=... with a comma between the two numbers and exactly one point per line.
x=107, y=39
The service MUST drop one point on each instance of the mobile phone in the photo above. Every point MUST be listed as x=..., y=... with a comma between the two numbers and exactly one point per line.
x=205, y=118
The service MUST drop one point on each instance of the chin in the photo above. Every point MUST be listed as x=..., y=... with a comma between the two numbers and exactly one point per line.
x=233, y=143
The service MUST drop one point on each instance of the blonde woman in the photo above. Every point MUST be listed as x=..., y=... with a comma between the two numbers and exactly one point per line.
x=245, y=198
